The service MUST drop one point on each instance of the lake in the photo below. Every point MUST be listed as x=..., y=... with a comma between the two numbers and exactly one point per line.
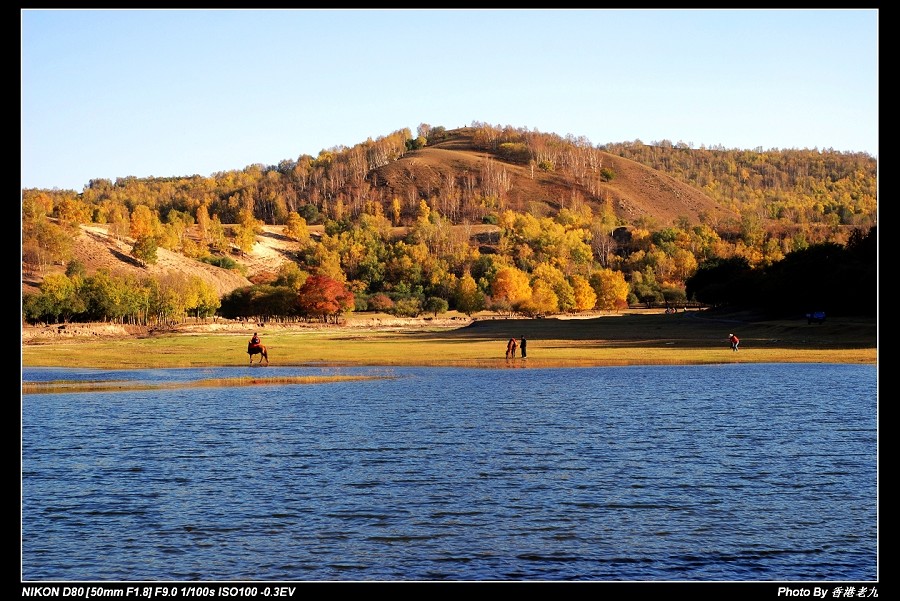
x=732, y=472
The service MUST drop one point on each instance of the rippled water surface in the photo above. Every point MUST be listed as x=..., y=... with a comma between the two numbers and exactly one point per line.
x=727, y=473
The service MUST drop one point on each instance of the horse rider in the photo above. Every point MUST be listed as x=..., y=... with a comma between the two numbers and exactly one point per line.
x=254, y=342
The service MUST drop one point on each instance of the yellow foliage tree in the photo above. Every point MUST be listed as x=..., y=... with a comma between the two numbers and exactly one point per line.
x=246, y=229
x=296, y=228
x=424, y=215
x=543, y=299
x=396, y=210
x=216, y=234
x=556, y=280
x=511, y=285
x=203, y=221
x=469, y=298
x=328, y=263
x=144, y=222
x=611, y=289
x=585, y=297
x=72, y=212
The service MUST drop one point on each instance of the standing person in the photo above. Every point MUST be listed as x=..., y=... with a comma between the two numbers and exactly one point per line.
x=522, y=343
x=734, y=342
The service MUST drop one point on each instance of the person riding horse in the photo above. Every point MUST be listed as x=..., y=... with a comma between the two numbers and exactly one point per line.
x=254, y=342
x=255, y=347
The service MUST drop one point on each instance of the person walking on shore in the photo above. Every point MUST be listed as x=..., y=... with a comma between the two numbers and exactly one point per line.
x=522, y=343
x=734, y=342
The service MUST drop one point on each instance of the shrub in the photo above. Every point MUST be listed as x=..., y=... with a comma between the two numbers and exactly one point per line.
x=380, y=302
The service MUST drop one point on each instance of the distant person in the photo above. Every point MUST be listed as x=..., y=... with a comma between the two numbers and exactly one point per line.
x=511, y=349
x=734, y=342
x=254, y=342
x=522, y=343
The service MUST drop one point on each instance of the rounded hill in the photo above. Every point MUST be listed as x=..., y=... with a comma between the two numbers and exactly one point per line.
x=633, y=191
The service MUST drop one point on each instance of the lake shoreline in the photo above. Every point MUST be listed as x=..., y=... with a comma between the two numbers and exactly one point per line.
x=606, y=340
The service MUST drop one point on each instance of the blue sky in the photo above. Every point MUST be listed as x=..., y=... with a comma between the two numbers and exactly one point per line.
x=115, y=93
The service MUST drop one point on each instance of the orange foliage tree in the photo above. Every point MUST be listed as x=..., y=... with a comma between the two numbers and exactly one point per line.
x=324, y=298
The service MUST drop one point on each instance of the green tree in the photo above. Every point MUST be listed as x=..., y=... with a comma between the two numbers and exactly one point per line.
x=436, y=305
x=290, y=275
x=61, y=298
x=144, y=250
x=104, y=296
x=409, y=306
x=720, y=282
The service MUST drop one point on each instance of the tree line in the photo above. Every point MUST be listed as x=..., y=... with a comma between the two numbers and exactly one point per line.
x=577, y=259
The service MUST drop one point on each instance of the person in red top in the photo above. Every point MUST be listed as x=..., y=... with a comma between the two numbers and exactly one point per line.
x=734, y=342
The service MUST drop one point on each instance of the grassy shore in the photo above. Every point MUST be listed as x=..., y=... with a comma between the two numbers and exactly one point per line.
x=613, y=340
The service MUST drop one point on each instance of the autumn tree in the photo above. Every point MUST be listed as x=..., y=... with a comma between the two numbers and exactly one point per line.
x=290, y=275
x=557, y=282
x=602, y=241
x=246, y=230
x=324, y=298
x=119, y=220
x=511, y=285
x=203, y=222
x=144, y=222
x=467, y=297
x=380, y=302
x=216, y=235
x=585, y=296
x=72, y=212
x=543, y=299
x=611, y=289
x=202, y=298
x=144, y=249
x=296, y=228
x=45, y=243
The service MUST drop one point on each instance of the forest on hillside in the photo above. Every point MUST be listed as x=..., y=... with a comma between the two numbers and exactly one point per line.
x=571, y=257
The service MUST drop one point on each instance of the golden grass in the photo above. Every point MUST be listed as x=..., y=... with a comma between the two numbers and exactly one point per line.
x=121, y=385
x=628, y=339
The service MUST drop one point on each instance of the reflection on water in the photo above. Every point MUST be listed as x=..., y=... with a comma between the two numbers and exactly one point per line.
x=732, y=472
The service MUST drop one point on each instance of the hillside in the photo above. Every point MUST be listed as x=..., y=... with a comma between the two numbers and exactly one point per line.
x=96, y=250
x=635, y=192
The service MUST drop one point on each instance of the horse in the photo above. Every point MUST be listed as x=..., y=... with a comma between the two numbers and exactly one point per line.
x=259, y=349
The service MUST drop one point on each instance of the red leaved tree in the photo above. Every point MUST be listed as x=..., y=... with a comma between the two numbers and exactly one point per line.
x=324, y=298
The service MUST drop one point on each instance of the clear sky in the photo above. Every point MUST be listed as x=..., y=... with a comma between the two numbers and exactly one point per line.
x=116, y=93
